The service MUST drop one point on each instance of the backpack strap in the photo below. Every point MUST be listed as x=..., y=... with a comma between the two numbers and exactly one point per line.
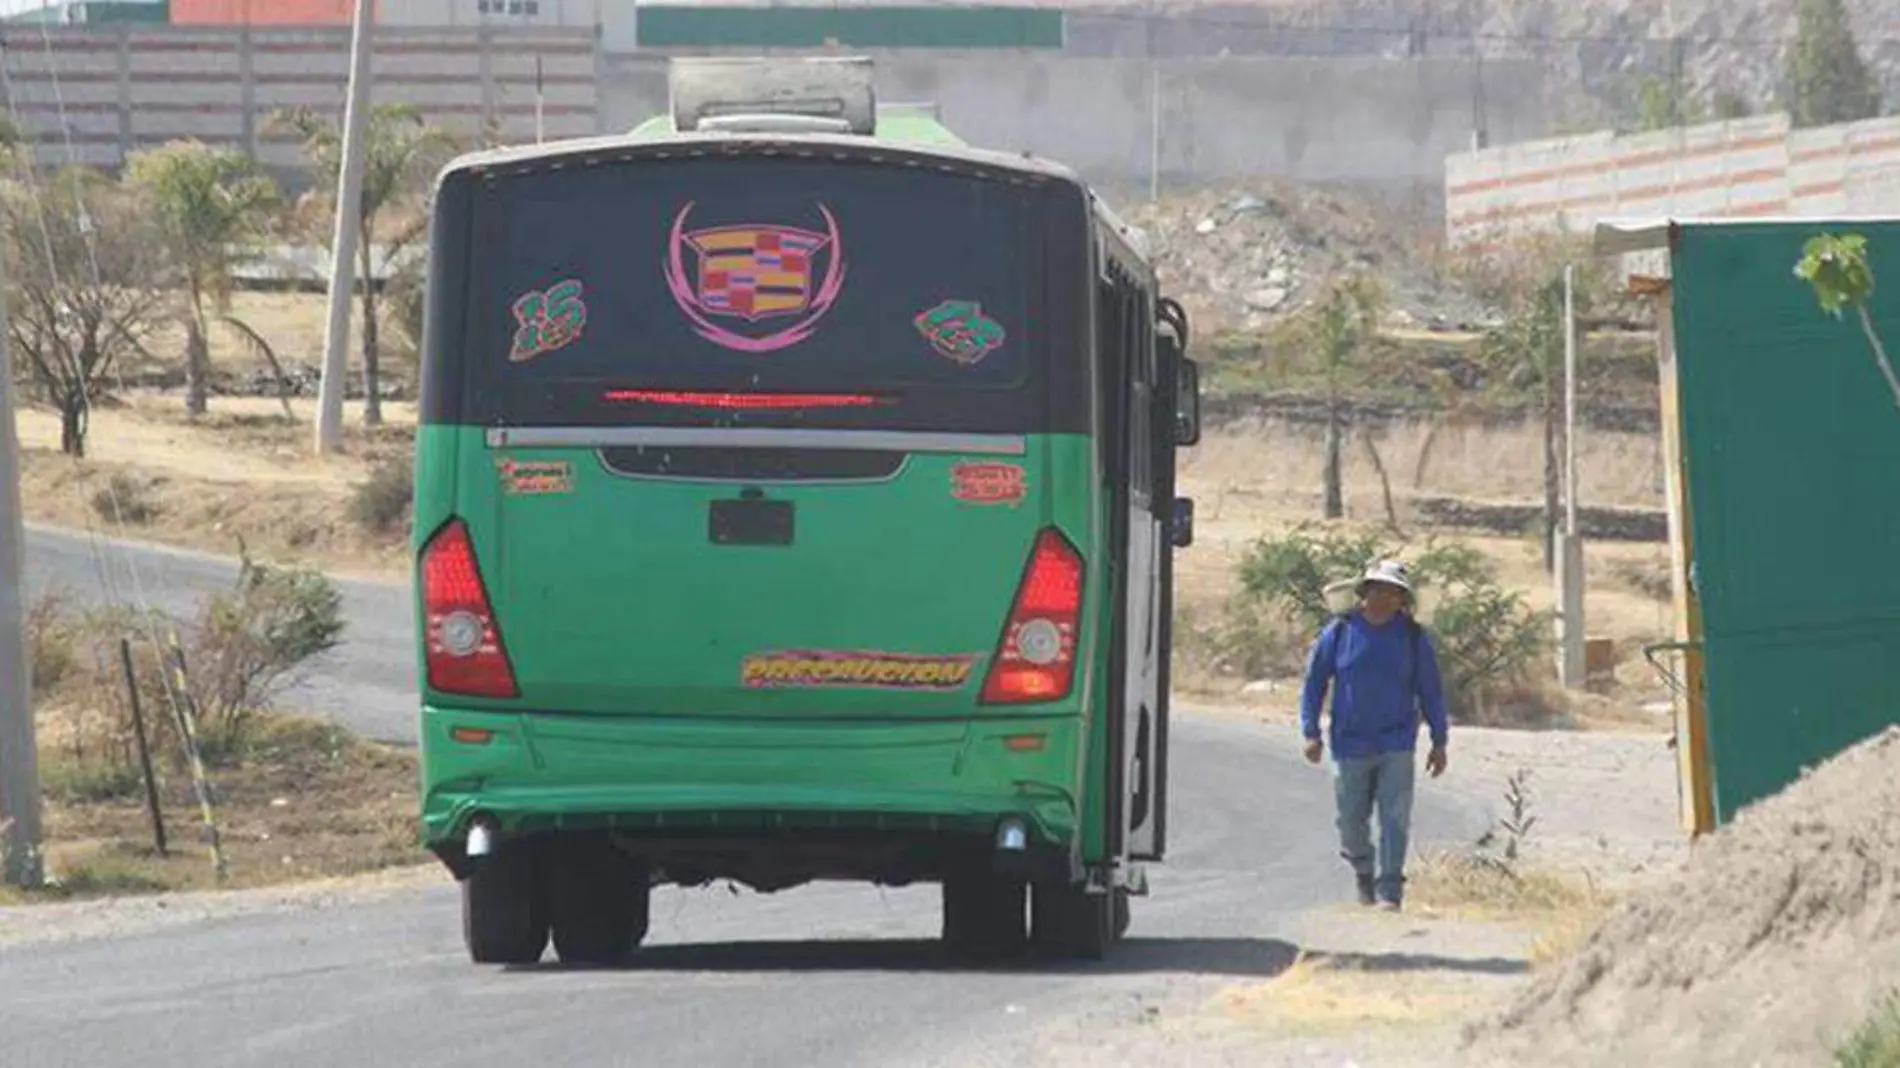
x=1414, y=631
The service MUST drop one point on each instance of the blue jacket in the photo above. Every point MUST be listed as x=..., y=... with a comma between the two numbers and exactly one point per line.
x=1377, y=690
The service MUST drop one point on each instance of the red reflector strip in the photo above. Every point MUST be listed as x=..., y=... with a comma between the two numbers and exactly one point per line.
x=471, y=735
x=1025, y=743
x=750, y=401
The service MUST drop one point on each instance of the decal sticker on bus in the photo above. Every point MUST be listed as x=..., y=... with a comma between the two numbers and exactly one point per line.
x=807, y=669
x=547, y=320
x=527, y=478
x=960, y=332
x=753, y=274
x=988, y=483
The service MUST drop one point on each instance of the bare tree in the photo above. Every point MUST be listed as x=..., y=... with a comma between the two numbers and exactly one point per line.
x=87, y=287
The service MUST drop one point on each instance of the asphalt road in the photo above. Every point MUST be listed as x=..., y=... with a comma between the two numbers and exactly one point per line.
x=837, y=975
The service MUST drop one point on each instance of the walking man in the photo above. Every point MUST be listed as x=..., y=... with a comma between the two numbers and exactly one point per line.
x=1379, y=664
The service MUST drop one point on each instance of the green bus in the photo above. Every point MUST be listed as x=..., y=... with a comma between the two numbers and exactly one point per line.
x=795, y=500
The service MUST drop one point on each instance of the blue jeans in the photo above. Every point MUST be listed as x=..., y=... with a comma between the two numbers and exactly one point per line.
x=1384, y=780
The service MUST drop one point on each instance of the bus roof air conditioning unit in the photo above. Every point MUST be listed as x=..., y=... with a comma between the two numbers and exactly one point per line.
x=806, y=94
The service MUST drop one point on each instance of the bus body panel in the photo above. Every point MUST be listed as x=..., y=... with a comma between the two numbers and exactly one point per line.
x=628, y=627
x=613, y=596
x=536, y=771
x=856, y=743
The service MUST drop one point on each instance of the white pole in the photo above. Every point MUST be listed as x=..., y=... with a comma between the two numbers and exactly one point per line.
x=336, y=335
x=1572, y=667
x=1570, y=399
x=19, y=757
x=1154, y=111
x=1154, y=130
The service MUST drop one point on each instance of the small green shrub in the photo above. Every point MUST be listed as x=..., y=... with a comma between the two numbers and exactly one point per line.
x=1486, y=635
x=91, y=781
x=1876, y=1042
x=251, y=640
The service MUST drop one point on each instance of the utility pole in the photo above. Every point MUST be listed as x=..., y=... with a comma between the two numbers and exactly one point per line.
x=19, y=756
x=1154, y=107
x=1571, y=665
x=349, y=218
x=540, y=108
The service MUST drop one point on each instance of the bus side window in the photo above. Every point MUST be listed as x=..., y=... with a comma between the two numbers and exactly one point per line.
x=1113, y=361
x=1142, y=379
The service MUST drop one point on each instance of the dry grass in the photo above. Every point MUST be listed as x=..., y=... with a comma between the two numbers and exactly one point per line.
x=1283, y=460
x=1562, y=934
x=1471, y=887
x=1326, y=994
x=1252, y=479
x=1562, y=910
x=241, y=472
x=306, y=800
x=292, y=323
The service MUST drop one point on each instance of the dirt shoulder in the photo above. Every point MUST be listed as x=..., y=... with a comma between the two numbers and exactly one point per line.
x=125, y=917
x=241, y=473
x=1336, y=985
x=301, y=802
x=1342, y=986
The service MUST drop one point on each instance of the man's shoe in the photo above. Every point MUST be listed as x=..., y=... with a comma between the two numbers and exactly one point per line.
x=1389, y=905
x=1366, y=896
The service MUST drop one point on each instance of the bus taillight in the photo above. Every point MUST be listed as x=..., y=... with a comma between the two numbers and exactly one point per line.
x=1035, y=660
x=465, y=652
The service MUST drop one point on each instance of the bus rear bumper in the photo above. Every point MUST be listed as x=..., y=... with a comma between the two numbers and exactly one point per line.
x=521, y=773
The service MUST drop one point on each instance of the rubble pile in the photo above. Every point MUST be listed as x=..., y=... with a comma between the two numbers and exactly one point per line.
x=1229, y=258
x=1767, y=949
x=1244, y=257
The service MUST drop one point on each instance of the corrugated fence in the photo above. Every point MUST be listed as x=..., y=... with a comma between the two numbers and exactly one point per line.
x=1745, y=168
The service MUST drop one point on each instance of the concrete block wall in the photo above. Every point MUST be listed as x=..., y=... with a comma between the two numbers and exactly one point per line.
x=571, y=14
x=1746, y=168
x=1388, y=122
x=125, y=87
x=1367, y=120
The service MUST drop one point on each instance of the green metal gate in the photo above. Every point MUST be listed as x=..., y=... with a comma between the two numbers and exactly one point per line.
x=1789, y=444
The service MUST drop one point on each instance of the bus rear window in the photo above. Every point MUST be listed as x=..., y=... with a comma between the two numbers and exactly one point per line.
x=662, y=279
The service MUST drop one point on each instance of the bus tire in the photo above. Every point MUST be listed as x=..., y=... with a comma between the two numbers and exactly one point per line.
x=984, y=913
x=504, y=907
x=601, y=904
x=1067, y=922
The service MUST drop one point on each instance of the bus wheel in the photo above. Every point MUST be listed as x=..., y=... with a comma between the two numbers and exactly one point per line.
x=600, y=905
x=504, y=907
x=1068, y=922
x=984, y=912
